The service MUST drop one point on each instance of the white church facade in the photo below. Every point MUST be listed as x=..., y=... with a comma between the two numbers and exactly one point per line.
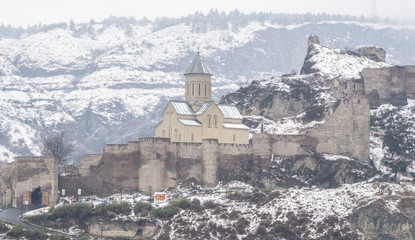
x=199, y=117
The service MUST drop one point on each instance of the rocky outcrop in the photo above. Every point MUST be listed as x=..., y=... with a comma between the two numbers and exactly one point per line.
x=376, y=54
x=307, y=65
x=305, y=171
x=378, y=221
x=276, y=99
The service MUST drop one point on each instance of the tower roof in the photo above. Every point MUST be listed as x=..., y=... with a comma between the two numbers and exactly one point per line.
x=198, y=66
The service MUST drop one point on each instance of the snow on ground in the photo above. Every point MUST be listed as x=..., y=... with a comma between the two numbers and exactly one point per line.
x=318, y=203
x=337, y=64
x=285, y=126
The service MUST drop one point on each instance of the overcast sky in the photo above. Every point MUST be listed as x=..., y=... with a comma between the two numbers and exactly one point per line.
x=30, y=12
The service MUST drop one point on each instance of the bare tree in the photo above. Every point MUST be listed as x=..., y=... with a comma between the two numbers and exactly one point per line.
x=59, y=147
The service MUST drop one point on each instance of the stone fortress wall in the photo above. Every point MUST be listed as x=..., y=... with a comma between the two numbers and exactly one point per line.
x=26, y=174
x=156, y=162
x=389, y=84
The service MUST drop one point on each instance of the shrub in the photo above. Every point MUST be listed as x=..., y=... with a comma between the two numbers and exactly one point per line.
x=37, y=219
x=165, y=212
x=183, y=203
x=16, y=231
x=116, y=208
x=171, y=209
x=143, y=207
x=59, y=237
x=80, y=211
x=32, y=233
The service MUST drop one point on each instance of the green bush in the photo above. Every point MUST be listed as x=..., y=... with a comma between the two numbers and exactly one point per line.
x=59, y=237
x=183, y=203
x=82, y=238
x=165, y=212
x=32, y=233
x=37, y=219
x=80, y=211
x=116, y=208
x=170, y=210
x=143, y=207
x=16, y=231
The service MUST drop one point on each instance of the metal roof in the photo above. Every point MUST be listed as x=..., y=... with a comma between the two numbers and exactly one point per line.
x=203, y=108
x=182, y=108
x=190, y=122
x=198, y=66
x=230, y=112
x=235, y=126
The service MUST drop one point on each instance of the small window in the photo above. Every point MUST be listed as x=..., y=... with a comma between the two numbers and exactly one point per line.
x=200, y=86
x=192, y=137
x=180, y=137
x=209, y=121
x=193, y=89
x=169, y=132
x=234, y=138
x=163, y=133
x=205, y=89
x=215, y=120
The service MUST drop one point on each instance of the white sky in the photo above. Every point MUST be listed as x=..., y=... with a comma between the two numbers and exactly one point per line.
x=30, y=12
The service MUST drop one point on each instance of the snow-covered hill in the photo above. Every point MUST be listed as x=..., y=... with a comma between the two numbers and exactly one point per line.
x=108, y=82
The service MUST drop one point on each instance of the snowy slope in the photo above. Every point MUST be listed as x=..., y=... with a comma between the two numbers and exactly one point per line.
x=108, y=82
x=335, y=63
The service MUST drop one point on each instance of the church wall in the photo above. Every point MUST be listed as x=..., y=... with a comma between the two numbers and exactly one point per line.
x=237, y=136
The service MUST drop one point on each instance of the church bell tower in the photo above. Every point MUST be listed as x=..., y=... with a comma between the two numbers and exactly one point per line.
x=198, y=81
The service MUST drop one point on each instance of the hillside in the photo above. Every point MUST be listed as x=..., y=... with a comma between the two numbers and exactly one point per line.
x=107, y=82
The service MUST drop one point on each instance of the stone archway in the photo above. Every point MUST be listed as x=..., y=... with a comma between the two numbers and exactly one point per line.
x=36, y=196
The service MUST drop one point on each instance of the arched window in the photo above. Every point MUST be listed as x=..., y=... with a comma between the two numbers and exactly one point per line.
x=205, y=89
x=200, y=86
x=192, y=137
x=188, y=89
x=175, y=135
x=209, y=121
x=169, y=132
x=234, y=138
x=215, y=120
x=193, y=89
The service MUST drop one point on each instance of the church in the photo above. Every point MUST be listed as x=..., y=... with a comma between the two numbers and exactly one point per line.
x=199, y=117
